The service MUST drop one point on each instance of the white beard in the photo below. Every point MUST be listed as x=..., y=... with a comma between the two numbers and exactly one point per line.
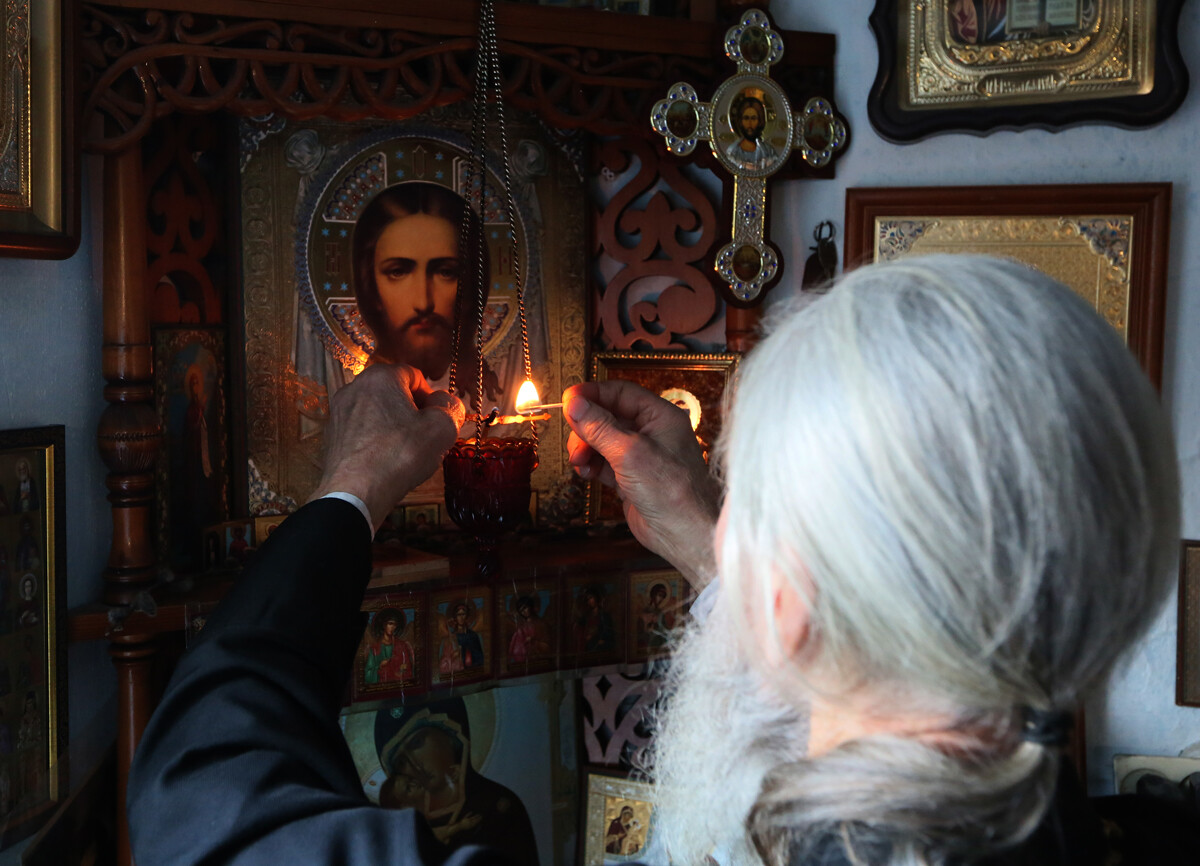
x=722, y=731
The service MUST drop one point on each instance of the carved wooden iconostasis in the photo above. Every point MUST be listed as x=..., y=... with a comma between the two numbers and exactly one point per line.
x=188, y=102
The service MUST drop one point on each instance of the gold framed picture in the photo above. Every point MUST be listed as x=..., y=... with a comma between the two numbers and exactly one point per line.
x=1108, y=242
x=618, y=824
x=979, y=65
x=39, y=187
x=336, y=218
x=659, y=600
x=694, y=382
x=33, y=710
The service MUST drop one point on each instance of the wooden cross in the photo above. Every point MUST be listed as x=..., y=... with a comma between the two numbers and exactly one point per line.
x=749, y=125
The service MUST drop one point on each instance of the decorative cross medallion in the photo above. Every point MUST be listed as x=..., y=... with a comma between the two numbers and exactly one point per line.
x=751, y=129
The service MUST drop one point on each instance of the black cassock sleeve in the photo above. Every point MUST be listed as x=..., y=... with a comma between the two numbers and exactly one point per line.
x=243, y=761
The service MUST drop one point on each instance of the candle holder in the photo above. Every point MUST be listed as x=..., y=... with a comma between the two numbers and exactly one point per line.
x=487, y=492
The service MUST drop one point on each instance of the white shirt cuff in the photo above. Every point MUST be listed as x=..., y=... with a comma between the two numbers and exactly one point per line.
x=706, y=601
x=357, y=503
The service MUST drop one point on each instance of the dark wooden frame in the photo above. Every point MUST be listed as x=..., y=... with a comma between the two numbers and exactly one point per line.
x=1187, y=664
x=51, y=441
x=49, y=227
x=1148, y=203
x=899, y=125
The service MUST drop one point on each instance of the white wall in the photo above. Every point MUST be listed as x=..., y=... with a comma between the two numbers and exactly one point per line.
x=50, y=374
x=1138, y=713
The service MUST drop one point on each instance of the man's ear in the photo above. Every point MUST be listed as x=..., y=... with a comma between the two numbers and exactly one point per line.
x=792, y=616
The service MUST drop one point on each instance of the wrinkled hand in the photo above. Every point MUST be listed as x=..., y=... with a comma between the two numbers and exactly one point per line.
x=387, y=433
x=628, y=438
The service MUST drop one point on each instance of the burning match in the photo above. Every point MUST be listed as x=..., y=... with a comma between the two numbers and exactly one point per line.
x=539, y=409
x=529, y=406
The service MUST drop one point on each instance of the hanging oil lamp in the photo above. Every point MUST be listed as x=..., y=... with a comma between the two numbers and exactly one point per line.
x=488, y=477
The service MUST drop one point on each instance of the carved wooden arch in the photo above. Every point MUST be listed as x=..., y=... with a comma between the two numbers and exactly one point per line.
x=573, y=68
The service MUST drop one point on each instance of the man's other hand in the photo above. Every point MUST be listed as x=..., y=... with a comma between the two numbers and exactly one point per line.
x=628, y=438
x=387, y=433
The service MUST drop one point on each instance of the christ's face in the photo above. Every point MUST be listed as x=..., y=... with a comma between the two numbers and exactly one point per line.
x=416, y=272
x=750, y=122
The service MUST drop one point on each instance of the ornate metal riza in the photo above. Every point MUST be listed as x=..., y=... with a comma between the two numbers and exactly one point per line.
x=750, y=126
x=15, y=126
x=1101, y=48
x=141, y=66
x=1089, y=253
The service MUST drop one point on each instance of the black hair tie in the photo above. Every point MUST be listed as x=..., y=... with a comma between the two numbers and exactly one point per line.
x=1046, y=727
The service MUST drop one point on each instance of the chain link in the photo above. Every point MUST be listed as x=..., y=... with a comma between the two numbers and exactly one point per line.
x=489, y=84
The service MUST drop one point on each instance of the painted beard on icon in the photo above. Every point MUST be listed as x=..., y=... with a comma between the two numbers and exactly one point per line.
x=723, y=729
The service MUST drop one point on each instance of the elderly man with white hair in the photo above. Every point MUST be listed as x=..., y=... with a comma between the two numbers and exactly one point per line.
x=950, y=502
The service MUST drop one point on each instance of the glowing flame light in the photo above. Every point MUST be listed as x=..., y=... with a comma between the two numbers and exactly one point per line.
x=527, y=396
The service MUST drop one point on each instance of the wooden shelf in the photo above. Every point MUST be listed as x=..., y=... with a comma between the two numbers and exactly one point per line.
x=522, y=557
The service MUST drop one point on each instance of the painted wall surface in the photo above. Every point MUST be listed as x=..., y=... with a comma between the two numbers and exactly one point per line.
x=50, y=374
x=1137, y=712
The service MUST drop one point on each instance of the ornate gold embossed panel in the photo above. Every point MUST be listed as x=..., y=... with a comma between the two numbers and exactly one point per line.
x=1107, y=242
x=958, y=53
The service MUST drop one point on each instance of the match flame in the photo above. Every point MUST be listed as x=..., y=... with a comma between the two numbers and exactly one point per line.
x=527, y=396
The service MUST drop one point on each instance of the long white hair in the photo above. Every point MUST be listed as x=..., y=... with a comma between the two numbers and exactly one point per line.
x=962, y=470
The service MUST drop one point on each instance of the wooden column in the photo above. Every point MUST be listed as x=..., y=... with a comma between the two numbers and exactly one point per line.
x=129, y=438
x=134, y=661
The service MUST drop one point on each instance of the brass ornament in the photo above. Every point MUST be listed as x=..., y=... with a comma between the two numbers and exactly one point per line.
x=1105, y=51
x=752, y=131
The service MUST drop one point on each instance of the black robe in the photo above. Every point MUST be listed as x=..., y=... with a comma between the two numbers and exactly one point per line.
x=243, y=761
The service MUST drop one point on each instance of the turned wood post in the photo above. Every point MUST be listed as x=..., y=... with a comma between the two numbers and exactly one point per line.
x=129, y=438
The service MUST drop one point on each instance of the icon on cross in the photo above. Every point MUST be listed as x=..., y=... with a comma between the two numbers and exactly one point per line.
x=752, y=130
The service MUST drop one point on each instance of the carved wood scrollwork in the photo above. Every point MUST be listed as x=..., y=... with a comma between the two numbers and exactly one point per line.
x=145, y=65
x=182, y=224
x=657, y=239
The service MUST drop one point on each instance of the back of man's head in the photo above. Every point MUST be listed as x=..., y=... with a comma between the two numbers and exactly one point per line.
x=962, y=472
x=972, y=470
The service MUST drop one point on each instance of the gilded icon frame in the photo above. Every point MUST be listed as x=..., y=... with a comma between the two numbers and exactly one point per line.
x=292, y=363
x=704, y=376
x=33, y=620
x=1118, y=63
x=605, y=792
x=39, y=188
x=1121, y=231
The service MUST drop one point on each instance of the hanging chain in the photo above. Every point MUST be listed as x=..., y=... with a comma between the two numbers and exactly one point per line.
x=488, y=28
x=488, y=77
x=475, y=175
